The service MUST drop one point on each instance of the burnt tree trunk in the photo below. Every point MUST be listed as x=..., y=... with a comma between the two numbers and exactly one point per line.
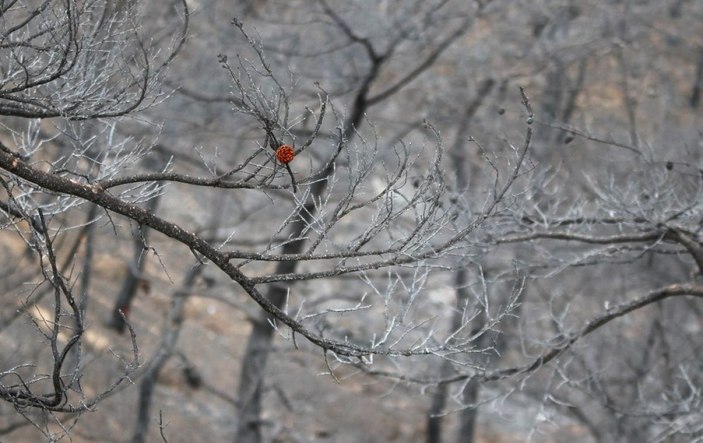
x=130, y=285
x=463, y=174
x=164, y=352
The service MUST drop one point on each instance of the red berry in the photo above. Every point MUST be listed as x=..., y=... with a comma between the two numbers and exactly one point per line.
x=285, y=154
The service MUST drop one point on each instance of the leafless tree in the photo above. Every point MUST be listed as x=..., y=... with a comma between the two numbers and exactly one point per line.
x=76, y=59
x=398, y=195
x=70, y=61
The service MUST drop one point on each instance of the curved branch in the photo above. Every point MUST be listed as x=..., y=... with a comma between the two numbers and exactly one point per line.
x=692, y=246
x=422, y=67
x=606, y=240
x=12, y=163
x=675, y=290
x=593, y=325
